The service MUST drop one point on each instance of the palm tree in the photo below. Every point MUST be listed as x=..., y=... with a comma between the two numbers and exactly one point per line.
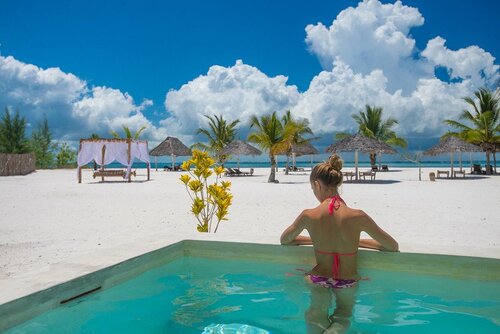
x=294, y=131
x=219, y=134
x=128, y=133
x=270, y=137
x=485, y=120
x=371, y=125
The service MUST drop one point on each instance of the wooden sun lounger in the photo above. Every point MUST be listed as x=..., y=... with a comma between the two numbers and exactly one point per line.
x=111, y=173
x=443, y=172
x=230, y=172
x=349, y=175
x=237, y=172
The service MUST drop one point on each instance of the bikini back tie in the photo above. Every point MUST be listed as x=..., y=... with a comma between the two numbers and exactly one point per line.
x=335, y=205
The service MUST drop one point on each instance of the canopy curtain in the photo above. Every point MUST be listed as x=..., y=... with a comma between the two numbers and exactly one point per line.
x=115, y=151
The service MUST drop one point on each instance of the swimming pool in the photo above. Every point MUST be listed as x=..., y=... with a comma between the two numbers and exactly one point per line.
x=214, y=287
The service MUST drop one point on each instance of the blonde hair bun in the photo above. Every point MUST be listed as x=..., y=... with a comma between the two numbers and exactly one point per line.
x=335, y=162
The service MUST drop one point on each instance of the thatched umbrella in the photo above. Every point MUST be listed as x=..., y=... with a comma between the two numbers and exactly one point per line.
x=358, y=142
x=450, y=145
x=171, y=146
x=240, y=148
x=303, y=149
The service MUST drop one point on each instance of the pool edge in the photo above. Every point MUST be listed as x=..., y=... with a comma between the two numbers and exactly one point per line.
x=26, y=307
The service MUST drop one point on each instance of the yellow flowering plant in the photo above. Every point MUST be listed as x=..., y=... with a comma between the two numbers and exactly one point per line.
x=208, y=200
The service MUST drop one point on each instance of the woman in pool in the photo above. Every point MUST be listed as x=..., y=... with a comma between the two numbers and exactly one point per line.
x=334, y=231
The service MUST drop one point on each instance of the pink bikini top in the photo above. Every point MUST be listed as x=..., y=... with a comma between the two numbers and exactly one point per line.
x=334, y=205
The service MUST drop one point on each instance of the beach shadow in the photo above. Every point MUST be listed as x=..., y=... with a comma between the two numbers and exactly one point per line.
x=372, y=182
x=291, y=182
x=468, y=177
x=117, y=181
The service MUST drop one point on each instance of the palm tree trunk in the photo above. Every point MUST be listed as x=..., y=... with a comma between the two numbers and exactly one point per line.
x=287, y=164
x=495, y=160
x=272, y=176
x=488, y=169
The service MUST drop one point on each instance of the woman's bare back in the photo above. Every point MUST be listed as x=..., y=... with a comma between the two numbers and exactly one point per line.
x=335, y=234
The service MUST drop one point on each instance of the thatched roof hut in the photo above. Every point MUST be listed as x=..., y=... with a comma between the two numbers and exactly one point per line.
x=358, y=142
x=452, y=144
x=239, y=147
x=171, y=146
x=362, y=143
x=304, y=149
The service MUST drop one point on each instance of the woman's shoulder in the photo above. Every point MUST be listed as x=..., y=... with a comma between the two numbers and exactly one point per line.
x=354, y=214
x=311, y=214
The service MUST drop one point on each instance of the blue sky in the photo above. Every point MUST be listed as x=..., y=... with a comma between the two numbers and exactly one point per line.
x=130, y=54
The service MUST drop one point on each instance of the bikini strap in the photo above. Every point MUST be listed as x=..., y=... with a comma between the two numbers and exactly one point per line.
x=336, y=261
x=335, y=204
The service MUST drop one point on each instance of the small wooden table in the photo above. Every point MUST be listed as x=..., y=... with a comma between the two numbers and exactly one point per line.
x=371, y=174
x=459, y=172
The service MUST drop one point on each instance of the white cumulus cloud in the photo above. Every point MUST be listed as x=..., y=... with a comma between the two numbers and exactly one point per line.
x=369, y=57
x=467, y=63
x=334, y=96
x=236, y=92
x=371, y=36
x=74, y=109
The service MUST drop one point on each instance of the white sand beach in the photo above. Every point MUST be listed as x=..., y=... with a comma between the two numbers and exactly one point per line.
x=53, y=229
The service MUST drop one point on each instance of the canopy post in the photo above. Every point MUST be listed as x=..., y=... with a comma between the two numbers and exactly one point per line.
x=102, y=162
x=173, y=162
x=79, y=167
x=156, y=162
x=356, y=163
x=129, y=142
x=149, y=170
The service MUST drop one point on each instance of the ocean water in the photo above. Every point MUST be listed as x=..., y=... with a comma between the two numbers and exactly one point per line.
x=198, y=295
x=394, y=165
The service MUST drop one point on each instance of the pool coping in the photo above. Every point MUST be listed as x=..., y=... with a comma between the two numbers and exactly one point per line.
x=24, y=308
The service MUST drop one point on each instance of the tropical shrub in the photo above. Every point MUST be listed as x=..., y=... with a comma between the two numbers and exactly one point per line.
x=65, y=156
x=12, y=139
x=210, y=201
x=42, y=145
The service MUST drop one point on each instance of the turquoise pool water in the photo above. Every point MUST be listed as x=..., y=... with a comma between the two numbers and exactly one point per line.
x=199, y=295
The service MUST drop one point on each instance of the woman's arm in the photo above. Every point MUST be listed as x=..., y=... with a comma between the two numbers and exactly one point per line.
x=381, y=239
x=291, y=234
x=301, y=240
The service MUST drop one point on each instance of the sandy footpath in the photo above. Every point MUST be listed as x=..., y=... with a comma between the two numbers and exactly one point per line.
x=53, y=229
